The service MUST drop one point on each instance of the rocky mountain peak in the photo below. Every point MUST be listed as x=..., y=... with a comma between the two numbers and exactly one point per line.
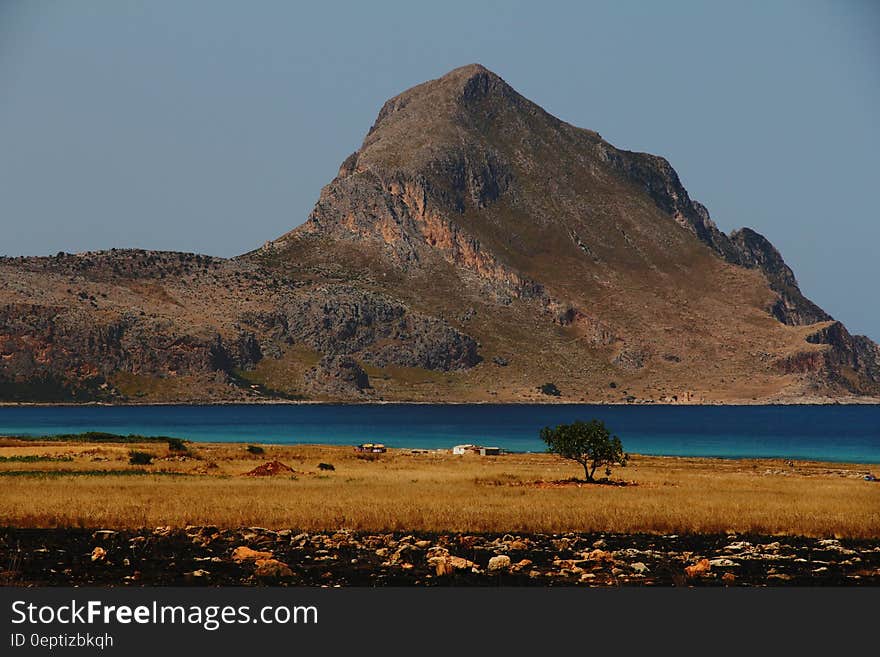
x=471, y=231
x=460, y=88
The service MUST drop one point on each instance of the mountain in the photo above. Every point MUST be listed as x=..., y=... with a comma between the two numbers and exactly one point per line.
x=475, y=248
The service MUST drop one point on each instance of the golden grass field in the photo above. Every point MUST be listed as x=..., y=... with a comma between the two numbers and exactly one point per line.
x=96, y=487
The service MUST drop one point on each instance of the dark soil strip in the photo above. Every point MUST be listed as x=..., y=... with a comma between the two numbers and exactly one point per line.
x=209, y=556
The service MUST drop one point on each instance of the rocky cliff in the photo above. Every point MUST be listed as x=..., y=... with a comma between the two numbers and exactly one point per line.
x=473, y=248
x=744, y=247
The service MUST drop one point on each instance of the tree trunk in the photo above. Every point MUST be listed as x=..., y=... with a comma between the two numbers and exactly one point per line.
x=587, y=473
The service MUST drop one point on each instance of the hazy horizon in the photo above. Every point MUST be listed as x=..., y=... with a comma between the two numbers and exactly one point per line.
x=209, y=127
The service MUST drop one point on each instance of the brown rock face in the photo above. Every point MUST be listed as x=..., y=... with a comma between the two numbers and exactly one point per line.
x=74, y=330
x=464, y=181
x=473, y=248
x=71, y=352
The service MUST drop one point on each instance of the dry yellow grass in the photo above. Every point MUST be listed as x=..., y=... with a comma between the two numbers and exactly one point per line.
x=430, y=492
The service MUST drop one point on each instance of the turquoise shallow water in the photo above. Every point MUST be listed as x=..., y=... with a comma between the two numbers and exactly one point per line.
x=831, y=433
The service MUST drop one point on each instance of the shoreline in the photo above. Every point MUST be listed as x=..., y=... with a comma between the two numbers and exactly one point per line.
x=51, y=439
x=847, y=401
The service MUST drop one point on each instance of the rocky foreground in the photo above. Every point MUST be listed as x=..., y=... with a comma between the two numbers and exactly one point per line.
x=258, y=556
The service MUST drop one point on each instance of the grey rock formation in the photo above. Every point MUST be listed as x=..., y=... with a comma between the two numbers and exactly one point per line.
x=346, y=320
x=340, y=376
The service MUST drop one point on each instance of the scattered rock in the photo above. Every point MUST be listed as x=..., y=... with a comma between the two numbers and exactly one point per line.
x=103, y=534
x=738, y=546
x=501, y=562
x=600, y=555
x=722, y=563
x=698, y=569
x=403, y=554
x=445, y=564
x=835, y=546
x=351, y=558
x=272, y=569
x=460, y=563
x=562, y=544
x=442, y=567
x=521, y=565
x=244, y=553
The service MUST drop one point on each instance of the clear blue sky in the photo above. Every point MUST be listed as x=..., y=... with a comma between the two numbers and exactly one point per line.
x=211, y=126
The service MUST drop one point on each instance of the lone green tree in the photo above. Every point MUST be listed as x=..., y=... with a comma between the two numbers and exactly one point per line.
x=588, y=443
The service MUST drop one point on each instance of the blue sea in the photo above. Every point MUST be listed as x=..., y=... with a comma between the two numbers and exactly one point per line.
x=828, y=433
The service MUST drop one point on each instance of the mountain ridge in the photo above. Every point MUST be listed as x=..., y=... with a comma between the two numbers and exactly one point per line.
x=473, y=248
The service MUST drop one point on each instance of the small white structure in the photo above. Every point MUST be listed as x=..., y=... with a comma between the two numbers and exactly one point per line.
x=476, y=449
x=371, y=448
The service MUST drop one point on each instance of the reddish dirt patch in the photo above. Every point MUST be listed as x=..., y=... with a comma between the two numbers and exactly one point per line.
x=270, y=469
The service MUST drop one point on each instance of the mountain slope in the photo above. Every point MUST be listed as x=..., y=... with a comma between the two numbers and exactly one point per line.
x=473, y=248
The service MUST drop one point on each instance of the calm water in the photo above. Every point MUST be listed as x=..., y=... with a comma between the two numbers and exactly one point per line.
x=833, y=433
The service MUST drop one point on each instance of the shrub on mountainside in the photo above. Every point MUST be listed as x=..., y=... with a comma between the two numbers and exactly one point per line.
x=550, y=389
